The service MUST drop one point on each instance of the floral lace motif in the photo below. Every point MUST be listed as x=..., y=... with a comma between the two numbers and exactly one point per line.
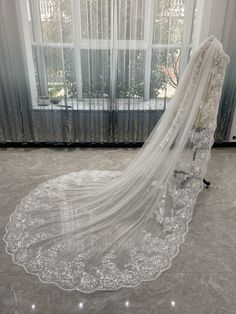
x=140, y=266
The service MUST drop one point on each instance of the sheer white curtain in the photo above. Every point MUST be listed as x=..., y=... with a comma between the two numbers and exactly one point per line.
x=97, y=70
x=107, y=54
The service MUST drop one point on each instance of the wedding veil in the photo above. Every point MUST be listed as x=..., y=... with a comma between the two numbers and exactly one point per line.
x=102, y=230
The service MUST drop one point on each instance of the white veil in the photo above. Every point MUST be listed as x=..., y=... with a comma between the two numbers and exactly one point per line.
x=102, y=230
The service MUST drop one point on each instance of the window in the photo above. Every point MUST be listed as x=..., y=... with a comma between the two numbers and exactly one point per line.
x=106, y=49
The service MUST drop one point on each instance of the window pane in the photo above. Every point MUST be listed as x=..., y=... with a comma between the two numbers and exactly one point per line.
x=130, y=19
x=36, y=71
x=29, y=18
x=60, y=72
x=70, y=77
x=130, y=74
x=95, y=19
x=56, y=19
x=168, y=21
x=95, y=73
x=194, y=23
x=164, y=73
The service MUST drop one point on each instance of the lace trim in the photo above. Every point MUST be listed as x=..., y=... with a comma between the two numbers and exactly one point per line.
x=72, y=275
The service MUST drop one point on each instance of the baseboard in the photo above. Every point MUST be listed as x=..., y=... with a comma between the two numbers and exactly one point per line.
x=226, y=144
x=67, y=144
x=88, y=144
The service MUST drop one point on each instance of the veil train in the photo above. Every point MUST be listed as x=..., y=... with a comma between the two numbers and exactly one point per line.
x=102, y=230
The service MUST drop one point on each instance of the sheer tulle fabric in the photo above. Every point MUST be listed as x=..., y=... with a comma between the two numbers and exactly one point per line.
x=102, y=230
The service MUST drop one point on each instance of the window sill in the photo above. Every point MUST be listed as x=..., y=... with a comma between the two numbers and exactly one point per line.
x=105, y=105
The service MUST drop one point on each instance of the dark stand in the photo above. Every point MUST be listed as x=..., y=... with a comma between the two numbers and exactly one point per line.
x=207, y=183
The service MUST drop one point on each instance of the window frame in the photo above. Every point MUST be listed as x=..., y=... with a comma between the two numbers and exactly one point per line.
x=79, y=43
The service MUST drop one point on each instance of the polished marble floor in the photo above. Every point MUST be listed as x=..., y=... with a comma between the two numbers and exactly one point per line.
x=202, y=278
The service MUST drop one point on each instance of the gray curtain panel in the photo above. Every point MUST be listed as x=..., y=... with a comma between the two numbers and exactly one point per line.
x=16, y=122
x=228, y=100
